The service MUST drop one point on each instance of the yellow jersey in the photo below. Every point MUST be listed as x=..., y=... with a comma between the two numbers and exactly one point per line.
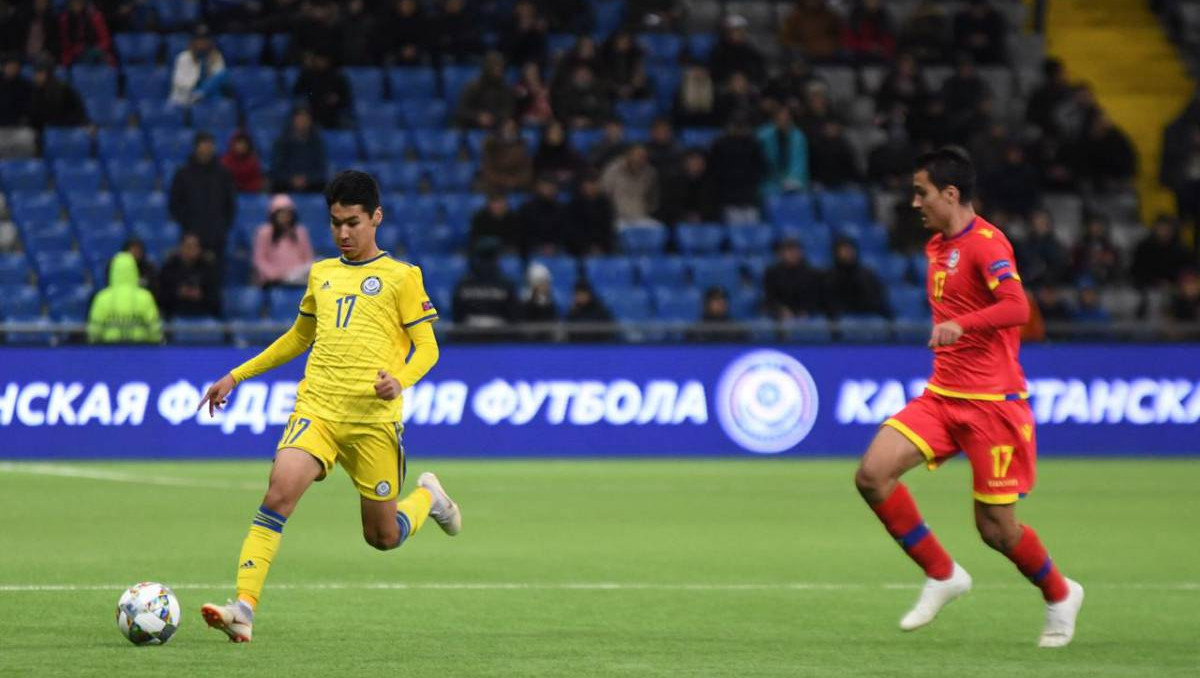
x=362, y=311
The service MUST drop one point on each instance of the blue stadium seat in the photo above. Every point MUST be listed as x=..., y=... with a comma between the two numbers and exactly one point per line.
x=391, y=240
x=665, y=81
x=280, y=42
x=751, y=238
x=919, y=266
x=46, y=237
x=23, y=175
x=155, y=114
x=273, y=115
x=564, y=270
x=385, y=145
x=138, y=48
x=892, y=268
x=214, y=114
x=14, y=270
x=815, y=238
x=95, y=82
x=609, y=14
x=459, y=207
x=77, y=175
x=609, y=271
x=66, y=143
x=873, y=237
x=723, y=272
x=174, y=44
x=110, y=113
x=148, y=83
x=311, y=210
x=440, y=270
x=840, y=207
x=432, y=144
x=455, y=79
x=69, y=303
x=638, y=240
x=413, y=83
x=626, y=302
x=383, y=116
x=172, y=145
x=242, y=303
x=558, y=43
x=197, y=331
x=253, y=206
x=99, y=241
x=20, y=301
x=584, y=139
x=60, y=268
x=254, y=86
x=137, y=175
x=864, y=329
x=148, y=206
x=160, y=237
x=120, y=145
x=177, y=13
x=753, y=268
x=512, y=267
x=457, y=175
x=341, y=146
x=700, y=45
x=241, y=49
x=33, y=207
x=662, y=271
x=661, y=46
x=637, y=113
x=365, y=83
x=908, y=301
x=693, y=238
x=45, y=338
x=678, y=303
x=808, y=330
x=289, y=75
x=744, y=303
x=791, y=208
x=699, y=137
x=422, y=239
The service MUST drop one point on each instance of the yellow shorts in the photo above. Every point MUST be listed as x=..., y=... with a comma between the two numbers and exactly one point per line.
x=372, y=454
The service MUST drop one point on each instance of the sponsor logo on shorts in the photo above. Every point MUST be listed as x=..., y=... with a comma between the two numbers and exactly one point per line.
x=383, y=488
x=767, y=402
x=371, y=286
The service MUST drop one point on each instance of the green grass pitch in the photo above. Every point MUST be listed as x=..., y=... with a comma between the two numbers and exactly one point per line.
x=654, y=568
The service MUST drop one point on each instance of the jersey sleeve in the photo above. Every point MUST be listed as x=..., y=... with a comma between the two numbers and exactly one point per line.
x=308, y=303
x=996, y=262
x=413, y=301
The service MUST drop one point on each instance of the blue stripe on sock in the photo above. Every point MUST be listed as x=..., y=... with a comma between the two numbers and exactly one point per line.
x=914, y=536
x=269, y=526
x=405, y=527
x=269, y=512
x=1041, y=574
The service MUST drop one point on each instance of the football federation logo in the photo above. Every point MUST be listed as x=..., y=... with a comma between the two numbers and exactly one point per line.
x=952, y=262
x=371, y=286
x=383, y=488
x=767, y=402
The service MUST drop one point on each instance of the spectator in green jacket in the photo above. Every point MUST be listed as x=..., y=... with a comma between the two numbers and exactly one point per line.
x=123, y=312
x=786, y=151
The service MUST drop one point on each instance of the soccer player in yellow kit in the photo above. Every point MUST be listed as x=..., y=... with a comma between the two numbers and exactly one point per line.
x=363, y=314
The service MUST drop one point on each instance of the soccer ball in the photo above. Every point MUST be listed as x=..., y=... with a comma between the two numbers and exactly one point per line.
x=148, y=614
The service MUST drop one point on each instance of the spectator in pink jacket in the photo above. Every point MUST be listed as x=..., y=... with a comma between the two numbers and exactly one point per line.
x=283, y=252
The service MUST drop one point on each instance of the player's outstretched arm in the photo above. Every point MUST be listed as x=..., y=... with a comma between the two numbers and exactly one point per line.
x=425, y=356
x=217, y=394
x=291, y=344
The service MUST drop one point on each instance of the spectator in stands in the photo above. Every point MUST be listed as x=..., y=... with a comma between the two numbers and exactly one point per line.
x=203, y=199
x=1055, y=306
x=54, y=103
x=533, y=96
x=189, y=282
x=664, y=152
x=1160, y=257
x=456, y=34
x=1106, y=160
x=283, y=252
x=738, y=167
x=488, y=98
x=963, y=90
x=612, y=144
x=818, y=109
x=409, y=33
x=16, y=94
x=38, y=31
x=123, y=312
x=582, y=53
x=890, y=163
x=1014, y=187
x=1096, y=257
x=791, y=287
x=146, y=271
x=623, y=66
x=788, y=88
x=1041, y=256
x=568, y=16
x=716, y=325
x=243, y=163
x=814, y=28
x=496, y=224
x=199, y=71
x=484, y=298
x=1184, y=306
x=1052, y=92
x=690, y=195
x=590, y=219
x=733, y=52
x=988, y=148
x=83, y=35
x=326, y=90
x=316, y=29
x=298, y=160
x=738, y=98
x=525, y=38
x=655, y=15
x=543, y=220
x=506, y=164
x=556, y=158
x=832, y=160
x=538, y=304
x=696, y=100
x=1075, y=116
x=851, y=289
x=583, y=102
x=586, y=308
x=786, y=152
x=926, y=33
x=1090, y=310
x=360, y=40
x=1182, y=175
x=632, y=184
x=903, y=91
x=980, y=30
x=869, y=37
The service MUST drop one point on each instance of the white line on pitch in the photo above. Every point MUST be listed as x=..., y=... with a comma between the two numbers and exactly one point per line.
x=65, y=471
x=574, y=586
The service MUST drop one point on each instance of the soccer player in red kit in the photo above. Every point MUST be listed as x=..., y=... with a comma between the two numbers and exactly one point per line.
x=975, y=402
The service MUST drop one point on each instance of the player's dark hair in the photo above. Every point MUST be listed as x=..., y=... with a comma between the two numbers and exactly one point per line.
x=950, y=166
x=352, y=187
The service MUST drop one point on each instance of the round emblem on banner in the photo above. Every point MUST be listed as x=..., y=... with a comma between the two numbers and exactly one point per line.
x=383, y=488
x=371, y=286
x=953, y=260
x=767, y=402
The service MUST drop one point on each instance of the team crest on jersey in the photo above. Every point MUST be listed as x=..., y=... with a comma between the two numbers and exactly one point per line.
x=952, y=262
x=371, y=286
x=383, y=488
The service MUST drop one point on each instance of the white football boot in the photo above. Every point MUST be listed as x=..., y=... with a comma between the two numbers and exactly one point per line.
x=235, y=619
x=444, y=511
x=938, y=593
x=1060, y=617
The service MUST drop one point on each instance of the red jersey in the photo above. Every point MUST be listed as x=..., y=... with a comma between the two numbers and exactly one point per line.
x=964, y=274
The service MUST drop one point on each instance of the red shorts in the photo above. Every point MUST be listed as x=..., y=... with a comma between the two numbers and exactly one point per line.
x=998, y=437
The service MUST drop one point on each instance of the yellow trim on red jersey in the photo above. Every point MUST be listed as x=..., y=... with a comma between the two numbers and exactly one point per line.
x=996, y=499
x=930, y=458
x=996, y=397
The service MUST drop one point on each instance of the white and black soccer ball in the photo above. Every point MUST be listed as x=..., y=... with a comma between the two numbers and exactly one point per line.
x=148, y=614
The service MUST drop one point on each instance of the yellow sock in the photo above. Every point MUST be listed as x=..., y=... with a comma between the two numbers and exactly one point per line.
x=257, y=553
x=412, y=511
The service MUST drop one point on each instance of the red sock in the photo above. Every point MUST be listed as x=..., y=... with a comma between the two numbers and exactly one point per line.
x=903, y=521
x=1032, y=560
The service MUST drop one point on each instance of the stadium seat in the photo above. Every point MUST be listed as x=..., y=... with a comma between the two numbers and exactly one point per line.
x=791, y=208
x=459, y=207
x=36, y=338
x=807, y=330
x=751, y=238
x=46, y=237
x=454, y=80
x=283, y=303
x=665, y=79
x=365, y=83
x=254, y=86
x=60, y=268
x=14, y=270
x=89, y=205
x=33, y=207
x=626, y=302
x=389, y=145
x=609, y=271
x=440, y=270
x=840, y=207
x=457, y=175
x=69, y=303
x=744, y=303
x=815, y=238
x=214, y=114
x=700, y=45
x=678, y=304
x=699, y=137
x=150, y=207
x=637, y=113
x=177, y=13
x=242, y=303
x=341, y=146
x=512, y=267
x=66, y=143
x=378, y=115
x=662, y=271
x=908, y=301
x=120, y=145
x=100, y=240
x=609, y=14
x=723, y=272
x=136, y=175
x=172, y=145
x=695, y=238
x=422, y=239
x=564, y=270
x=413, y=83
x=434, y=144
x=20, y=300
x=311, y=210
x=241, y=49
x=864, y=329
x=197, y=331
x=110, y=113
x=94, y=82
x=638, y=240
x=160, y=237
x=753, y=268
x=661, y=46
x=77, y=175
x=559, y=43
x=138, y=48
x=584, y=139
x=279, y=42
x=155, y=114
x=23, y=175
x=148, y=83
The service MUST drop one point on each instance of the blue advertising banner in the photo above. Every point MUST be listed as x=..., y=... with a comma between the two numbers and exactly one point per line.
x=598, y=401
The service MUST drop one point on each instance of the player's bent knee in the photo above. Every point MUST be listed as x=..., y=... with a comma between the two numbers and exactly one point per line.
x=382, y=541
x=870, y=479
x=995, y=535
